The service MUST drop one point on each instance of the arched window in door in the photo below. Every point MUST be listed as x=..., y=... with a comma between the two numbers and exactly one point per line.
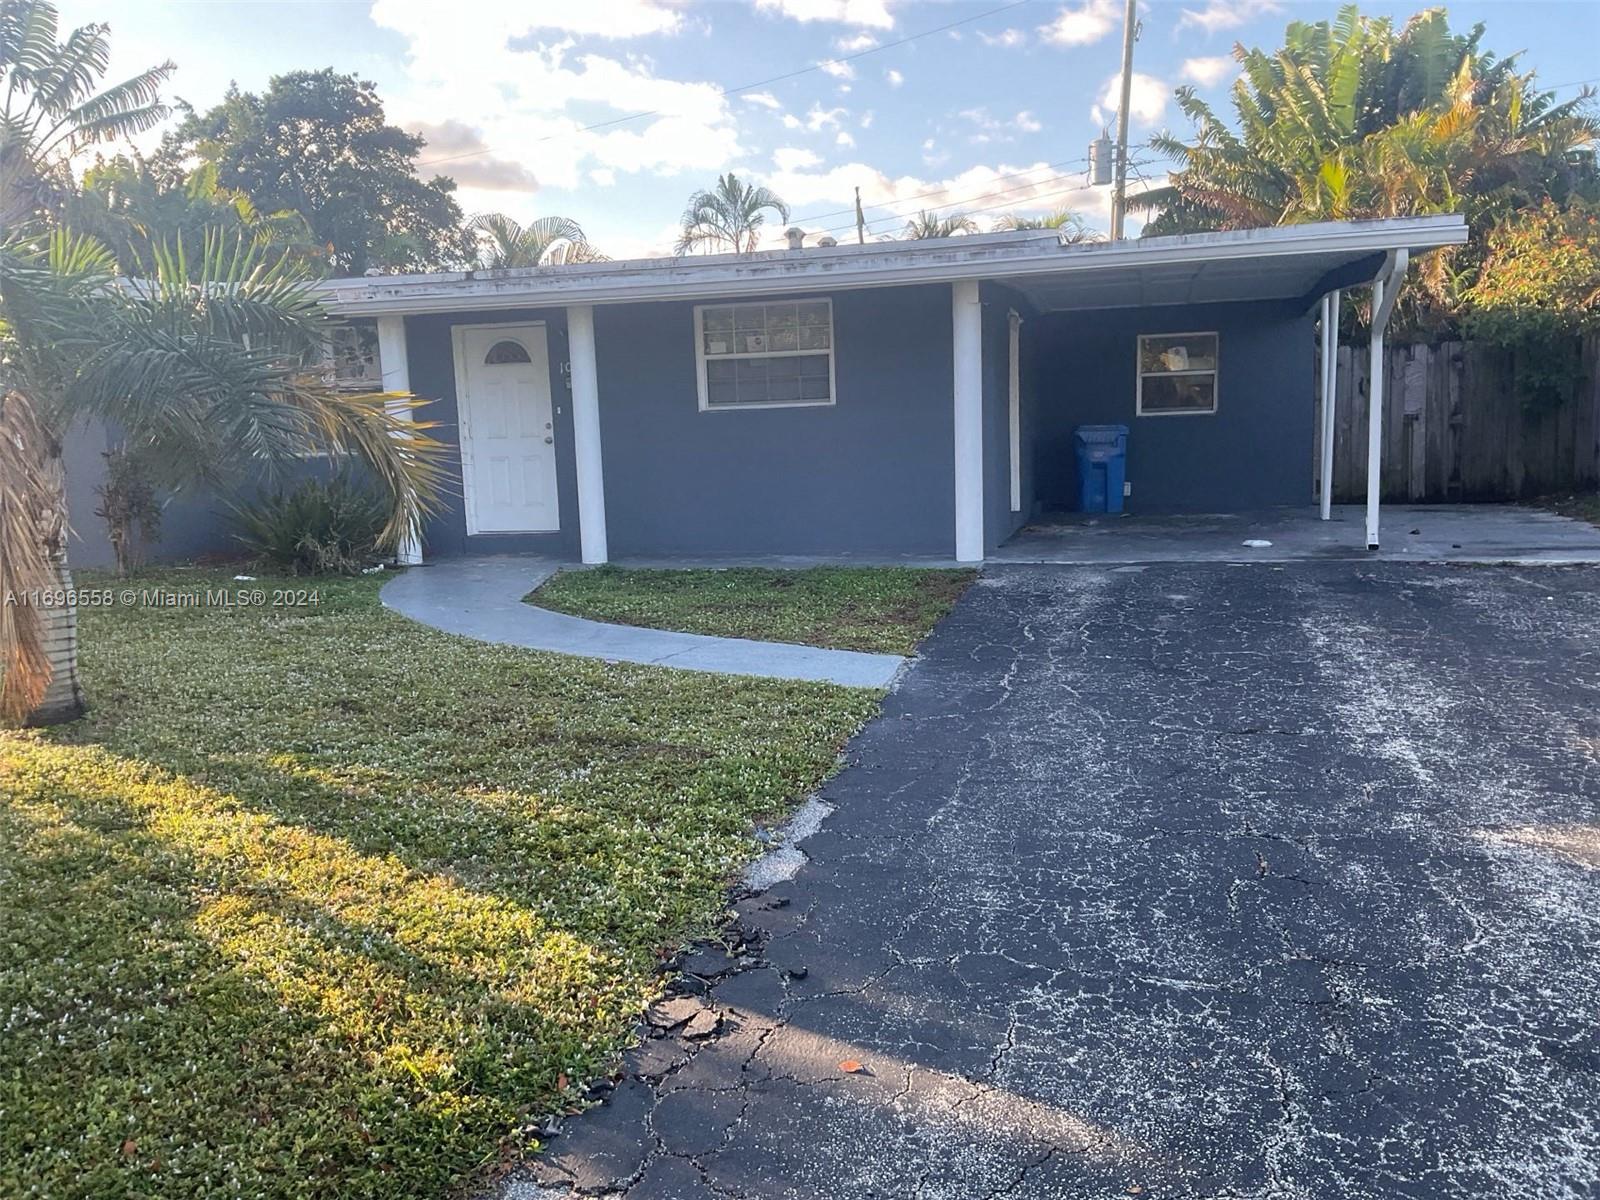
x=506, y=352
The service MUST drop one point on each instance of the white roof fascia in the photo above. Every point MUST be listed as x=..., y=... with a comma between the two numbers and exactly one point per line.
x=836, y=268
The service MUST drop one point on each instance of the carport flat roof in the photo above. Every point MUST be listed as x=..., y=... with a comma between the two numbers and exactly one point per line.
x=1283, y=262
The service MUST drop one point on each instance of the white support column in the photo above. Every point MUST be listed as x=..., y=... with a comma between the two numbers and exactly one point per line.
x=586, y=432
x=1385, y=288
x=1330, y=394
x=1014, y=406
x=966, y=317
x=396, y=369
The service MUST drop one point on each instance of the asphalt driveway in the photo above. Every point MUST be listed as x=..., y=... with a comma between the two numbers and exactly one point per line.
x=1187, y=881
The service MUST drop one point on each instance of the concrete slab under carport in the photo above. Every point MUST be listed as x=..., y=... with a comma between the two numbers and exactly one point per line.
x=1463, y=533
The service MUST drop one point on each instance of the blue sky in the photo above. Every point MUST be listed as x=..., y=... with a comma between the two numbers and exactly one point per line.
x=992, y=115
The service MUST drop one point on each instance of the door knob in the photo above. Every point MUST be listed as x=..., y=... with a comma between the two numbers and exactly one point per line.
x=548, y=440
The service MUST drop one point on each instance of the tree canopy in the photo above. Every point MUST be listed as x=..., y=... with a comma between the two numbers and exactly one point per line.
x=134, y=208
x=317, y=143
x=1357, y=118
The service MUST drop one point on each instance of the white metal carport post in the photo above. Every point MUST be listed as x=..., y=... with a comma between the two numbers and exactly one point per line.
x=1330, y=394
x=1385, y=288
x=396, y=371
x=586, y=432
x=966, y=323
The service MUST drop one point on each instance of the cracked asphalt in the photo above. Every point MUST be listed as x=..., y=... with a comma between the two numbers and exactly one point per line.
x=1177, y=881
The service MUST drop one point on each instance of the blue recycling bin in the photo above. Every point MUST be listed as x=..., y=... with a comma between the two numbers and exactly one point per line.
x=1102, y=466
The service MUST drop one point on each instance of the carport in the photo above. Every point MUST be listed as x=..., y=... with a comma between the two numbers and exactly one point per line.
x=1206, y=348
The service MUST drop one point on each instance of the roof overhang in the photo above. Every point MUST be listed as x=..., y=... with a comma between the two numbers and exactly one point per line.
x=1289, y=262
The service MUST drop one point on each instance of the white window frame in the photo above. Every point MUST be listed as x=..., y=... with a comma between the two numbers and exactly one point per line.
x=700, y=357
x=1214, y=370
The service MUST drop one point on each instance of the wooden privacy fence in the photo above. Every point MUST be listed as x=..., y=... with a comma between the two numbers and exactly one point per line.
x=1454, y=428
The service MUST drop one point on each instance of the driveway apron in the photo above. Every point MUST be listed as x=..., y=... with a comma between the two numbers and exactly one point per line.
x=1178, y=881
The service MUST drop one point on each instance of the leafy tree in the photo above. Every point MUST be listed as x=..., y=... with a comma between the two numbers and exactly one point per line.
x=1357, y=119
x=50, y=109
x=206, y=377
x=1538, y=293
x=728, y=216
x=316, y=143
x=133, y=207
x=928, y=224
x=1071, y=225
x=503, y=242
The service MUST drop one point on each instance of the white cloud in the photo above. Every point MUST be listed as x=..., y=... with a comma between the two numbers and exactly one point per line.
x=839, y=70
x=855, y=43
x=1227, y=14
x=764, y=99
x=795, y=158
x=526, y=93
x=894, y=77
x=1084, y=23
x=470, y=163
x=593, y=18
x=1207, y=72
x=873, y=14
x=992, y=128
x=819, y=118
x=1009, y=38
x=991, y=189
x=604, y=176
x=844, y=139
x=1147, y=98
x=790, y=121
x=866, y=120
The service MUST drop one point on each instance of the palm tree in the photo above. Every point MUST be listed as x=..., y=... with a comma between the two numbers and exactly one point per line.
x=1069, y=224
x=50, y=109
x=502, y=242
x=928, y=224
x=212, y=367
x=728, y=216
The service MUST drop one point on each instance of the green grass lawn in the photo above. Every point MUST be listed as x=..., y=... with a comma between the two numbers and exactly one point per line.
x=319, y=902
x=887, y=609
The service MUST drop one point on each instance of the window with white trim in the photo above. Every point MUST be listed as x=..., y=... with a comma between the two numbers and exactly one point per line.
x=1177, y=374
x=767, y=355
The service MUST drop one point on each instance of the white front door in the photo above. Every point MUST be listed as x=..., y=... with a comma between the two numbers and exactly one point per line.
x=508, y=441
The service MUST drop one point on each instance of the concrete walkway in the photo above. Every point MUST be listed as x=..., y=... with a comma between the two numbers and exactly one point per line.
x=481, y=598
x=1470, y=533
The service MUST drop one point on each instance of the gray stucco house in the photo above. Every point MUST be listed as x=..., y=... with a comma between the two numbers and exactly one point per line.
x=893, y=399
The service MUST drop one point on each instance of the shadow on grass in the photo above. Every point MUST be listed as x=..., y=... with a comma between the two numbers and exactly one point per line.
x=333, y=901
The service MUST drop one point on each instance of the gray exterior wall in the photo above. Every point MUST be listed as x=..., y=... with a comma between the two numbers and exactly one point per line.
x=871, y=474
x=1254, y=452
x=433, y=376
x=195, y=524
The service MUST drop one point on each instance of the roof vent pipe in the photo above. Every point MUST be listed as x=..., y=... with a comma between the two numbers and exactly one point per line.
x=825, y=240
x=796, y=236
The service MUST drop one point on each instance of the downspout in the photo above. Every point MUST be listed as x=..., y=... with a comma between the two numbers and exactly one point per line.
x=1385, y=289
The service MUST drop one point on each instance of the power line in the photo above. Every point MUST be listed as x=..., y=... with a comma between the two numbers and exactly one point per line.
x=983, y=195
x=746, y=87
x=839, y=212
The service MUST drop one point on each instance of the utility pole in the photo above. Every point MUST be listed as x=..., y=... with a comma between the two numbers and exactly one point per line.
x=1119, y=189
x=861, y=222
